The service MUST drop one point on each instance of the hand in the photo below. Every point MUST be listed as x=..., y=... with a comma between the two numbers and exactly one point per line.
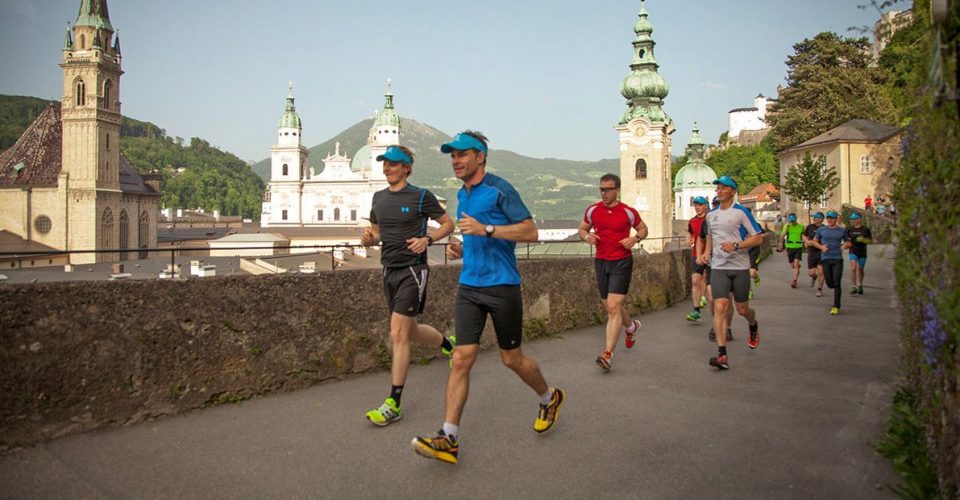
x=628, y=243
x=728, y=247
x=471, y=226
x=367, y=238
x=703, y=259
x=591, y=238
x=418, y=245
x=454, y=249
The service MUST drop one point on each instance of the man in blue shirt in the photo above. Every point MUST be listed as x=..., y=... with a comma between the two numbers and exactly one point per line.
x=492, y=219
x=831, y=240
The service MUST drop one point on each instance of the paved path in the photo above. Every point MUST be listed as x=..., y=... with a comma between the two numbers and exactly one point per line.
x=793, y=419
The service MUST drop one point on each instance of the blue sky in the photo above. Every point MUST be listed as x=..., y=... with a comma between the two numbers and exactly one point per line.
x=539, y=77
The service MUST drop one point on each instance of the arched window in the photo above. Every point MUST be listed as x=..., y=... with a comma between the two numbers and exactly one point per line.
x=336, y=214
x=107, y=87
x=106, y=229
x=641, y=169
x=286, y=169
x=143, y=234
x=80, y=96
x=866, y=164
x=83, y=42
x=890, y=162
x=108, y=141
x=124, y=233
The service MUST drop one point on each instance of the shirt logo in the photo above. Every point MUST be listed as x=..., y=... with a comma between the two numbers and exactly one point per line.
x=405, y=209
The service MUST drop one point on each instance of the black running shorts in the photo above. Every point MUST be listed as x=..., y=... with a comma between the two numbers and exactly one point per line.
x=813, y=259
x=794, y=254
x=613, y=276
x=724, y=281
x=696, y=267
x=503, y=303
x=406, y=289
x=754, y=257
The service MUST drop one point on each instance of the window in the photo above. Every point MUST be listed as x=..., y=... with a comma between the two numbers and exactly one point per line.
x=107, y=86
x=143, y=233
x=285, y=169
x=353, y=215
x=124, y=233
x=42, y=224
x=641, y=169
x=106, y=229
x=336, y=214
x=108, y=141
x=319, y=215
x=80, y=98
x=83, y=42
x=890, y=162
x=866, y=164
x=283, y=215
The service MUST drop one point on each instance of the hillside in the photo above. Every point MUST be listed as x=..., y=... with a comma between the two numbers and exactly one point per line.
x=194, y=175
x=551, y=188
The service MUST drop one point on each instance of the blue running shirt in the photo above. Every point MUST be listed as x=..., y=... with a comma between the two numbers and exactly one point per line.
x=490, y=261
x=833, y=238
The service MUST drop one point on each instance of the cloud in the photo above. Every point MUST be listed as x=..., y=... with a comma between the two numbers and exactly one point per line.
x=713, y=85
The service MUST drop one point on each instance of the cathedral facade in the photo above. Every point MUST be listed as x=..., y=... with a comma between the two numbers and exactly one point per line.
x=64, y=184
x=341, y=194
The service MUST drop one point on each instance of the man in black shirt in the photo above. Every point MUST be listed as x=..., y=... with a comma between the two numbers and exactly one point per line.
x=398, y=220
x=814, y=264
x=859, y=236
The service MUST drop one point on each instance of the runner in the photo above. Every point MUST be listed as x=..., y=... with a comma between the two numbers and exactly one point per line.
x=492, y=219
x=859, y=236
x=701, y=245
x=398, y=219
x=611, y=222
x=791, y=238
x=731, y=264
x=754, y=253
x=831, y=240
x=814, y=264
x=697, y=281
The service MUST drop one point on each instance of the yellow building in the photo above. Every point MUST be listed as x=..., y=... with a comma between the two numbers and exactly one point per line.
x=865, y=154
x=64, y=184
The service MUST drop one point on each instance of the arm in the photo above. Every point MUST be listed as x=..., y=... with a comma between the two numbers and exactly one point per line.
x=705, y=248
x=420, y=244
x=523, y=231
x=585, y=234
x=371, y=235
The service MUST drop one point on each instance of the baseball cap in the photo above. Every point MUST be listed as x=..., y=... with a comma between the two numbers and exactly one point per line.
x=854, y=216
x=818, y=215
x=700, y=200
x=463, y=142
x=726, y=181
x=394, y=153
x=831, y=214
x=792, y=217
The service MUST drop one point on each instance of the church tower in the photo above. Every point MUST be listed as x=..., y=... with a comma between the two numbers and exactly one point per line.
x=90, y=112
x=644, y=135
x=288, y=165
x=385, y=133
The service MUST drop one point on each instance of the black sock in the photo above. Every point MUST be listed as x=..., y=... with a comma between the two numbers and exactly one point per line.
x=723, y=350
x=395, y=393
x=696, y=309
x=753, y=327
x=445, y=343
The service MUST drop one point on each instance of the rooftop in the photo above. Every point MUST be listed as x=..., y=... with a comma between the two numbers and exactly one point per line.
x=857, y=130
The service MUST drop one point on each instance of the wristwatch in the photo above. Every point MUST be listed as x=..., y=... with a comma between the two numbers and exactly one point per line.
x=736, y=245
x=429, y=240
x=489, y=230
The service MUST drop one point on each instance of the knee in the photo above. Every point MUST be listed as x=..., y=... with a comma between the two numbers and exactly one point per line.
x=512, y=359
x=461, y=362
x=743, y=309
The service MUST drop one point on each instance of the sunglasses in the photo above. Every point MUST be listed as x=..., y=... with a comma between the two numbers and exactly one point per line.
x=604, y=190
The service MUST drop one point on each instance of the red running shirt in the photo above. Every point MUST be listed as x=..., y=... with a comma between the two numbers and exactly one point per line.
x=693, y=227
x=611, y=224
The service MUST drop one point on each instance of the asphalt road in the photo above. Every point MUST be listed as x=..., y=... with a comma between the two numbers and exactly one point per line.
x=793, y=419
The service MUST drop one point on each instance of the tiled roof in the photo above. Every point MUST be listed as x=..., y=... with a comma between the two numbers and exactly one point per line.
x=857, y=130
x=10, y=242
x=39, y=151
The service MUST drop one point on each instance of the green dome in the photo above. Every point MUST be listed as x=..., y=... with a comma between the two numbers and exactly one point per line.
x=643, y=26
x=361, y=159
x=290, y=118
x=644, y=83
x=695, y=174
x=388, y=117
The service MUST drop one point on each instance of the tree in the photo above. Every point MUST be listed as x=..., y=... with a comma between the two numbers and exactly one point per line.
x=830, y=80
x=811, y=181
x=749, y=165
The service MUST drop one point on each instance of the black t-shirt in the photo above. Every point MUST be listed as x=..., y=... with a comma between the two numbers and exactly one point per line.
x=810, y=232
x=401, y=215
x=859, y=237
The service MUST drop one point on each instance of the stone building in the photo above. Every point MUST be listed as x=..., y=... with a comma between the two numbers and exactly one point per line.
x=644, y=136
x=64, y=183
x=748, y=126
x=693, y=179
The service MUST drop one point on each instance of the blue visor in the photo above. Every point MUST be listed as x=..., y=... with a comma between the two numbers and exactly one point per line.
x=854, y=216
x=818, y=215
x=463, y=142
x=831, y=214
x=700, y=200
x=395, y=154
x=726, y=181
x=792, y=218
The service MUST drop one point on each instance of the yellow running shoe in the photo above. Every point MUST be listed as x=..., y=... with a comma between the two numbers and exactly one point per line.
x=439, y=447
x=549, y=412
x=834, y=311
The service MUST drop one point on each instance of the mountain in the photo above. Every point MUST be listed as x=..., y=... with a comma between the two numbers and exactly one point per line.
x=551, y=188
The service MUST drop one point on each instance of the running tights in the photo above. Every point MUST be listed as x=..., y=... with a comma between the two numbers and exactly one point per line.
x=833, y=275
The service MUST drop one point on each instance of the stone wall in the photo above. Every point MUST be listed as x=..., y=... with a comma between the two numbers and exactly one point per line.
x=83, y=355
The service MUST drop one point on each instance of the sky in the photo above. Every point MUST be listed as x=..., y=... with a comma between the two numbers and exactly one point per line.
x=538, y=77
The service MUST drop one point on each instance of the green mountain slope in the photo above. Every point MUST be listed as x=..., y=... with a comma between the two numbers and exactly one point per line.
x=551, y=188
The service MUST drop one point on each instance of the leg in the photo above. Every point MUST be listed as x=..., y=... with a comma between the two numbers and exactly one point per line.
x=400, y=331
x=721, y=321
x=526, y=368
x=458, y=382
x=696, y=288
x=615, y=319
x=861, y=264
x=854, y=273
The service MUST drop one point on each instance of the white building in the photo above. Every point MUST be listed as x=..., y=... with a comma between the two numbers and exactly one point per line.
x=694, y=179
x=752, y=119
x=342, y=193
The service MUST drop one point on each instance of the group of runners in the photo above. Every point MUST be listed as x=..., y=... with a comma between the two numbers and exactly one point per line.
x=492, y=218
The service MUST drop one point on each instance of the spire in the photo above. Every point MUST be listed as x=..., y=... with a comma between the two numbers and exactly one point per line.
x=388, y=117
x=696, y=148
x=68, y=40
x=290, y=118
x=116, y=43
x=644, y=88
x=94, y=13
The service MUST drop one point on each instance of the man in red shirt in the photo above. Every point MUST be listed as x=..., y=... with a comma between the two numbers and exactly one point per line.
x=611, y=222
x=698, y=288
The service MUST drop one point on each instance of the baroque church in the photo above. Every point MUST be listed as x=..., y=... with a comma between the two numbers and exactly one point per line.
x=64, y=185
x=341, y=194
x=644, y=136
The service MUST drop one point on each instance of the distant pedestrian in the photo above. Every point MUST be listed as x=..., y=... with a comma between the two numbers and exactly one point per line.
x=791, y=239
x=832, y=240
x=859, y=236
x=612, y=221
x=399, y=222
x=867, y=203
x=492, y=219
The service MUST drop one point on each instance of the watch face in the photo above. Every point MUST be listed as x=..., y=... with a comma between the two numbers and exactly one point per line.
x=488, y=229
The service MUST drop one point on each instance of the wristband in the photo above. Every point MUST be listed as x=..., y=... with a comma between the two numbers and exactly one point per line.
x=429, y=239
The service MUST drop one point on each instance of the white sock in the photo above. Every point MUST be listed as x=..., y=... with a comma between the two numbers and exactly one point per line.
x=545, y=397
x=633, y=327
x=451, y=430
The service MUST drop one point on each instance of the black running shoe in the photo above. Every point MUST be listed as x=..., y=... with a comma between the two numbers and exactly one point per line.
x=720, y=362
